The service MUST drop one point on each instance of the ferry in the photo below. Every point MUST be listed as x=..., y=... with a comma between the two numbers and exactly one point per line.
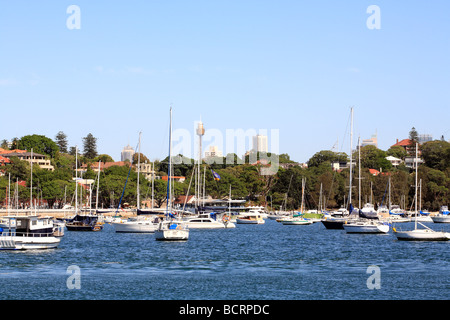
x=27, y=233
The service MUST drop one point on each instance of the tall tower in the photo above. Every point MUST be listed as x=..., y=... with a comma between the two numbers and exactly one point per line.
x=200, y=133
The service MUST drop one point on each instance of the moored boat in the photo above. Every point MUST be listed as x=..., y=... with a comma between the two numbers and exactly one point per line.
x=27, y=233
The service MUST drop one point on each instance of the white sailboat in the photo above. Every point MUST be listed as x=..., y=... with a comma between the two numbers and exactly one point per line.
x=171, y=229
x=368, y=221
x=297, y=220
x=425, y=234
x=141, y=223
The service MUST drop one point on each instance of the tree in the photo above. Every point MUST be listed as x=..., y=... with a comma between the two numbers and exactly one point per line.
x=103, y=158
x=397, y=152
x=39, y=143
x=61, y=141
x=413, y=135
x=90, y=146
x=436, y=154
x=326, y=155
x=374, y=158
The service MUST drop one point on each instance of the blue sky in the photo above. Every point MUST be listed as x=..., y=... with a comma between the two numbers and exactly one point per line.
x=296, y=66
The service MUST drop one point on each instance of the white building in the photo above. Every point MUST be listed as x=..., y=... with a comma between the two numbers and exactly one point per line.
x=212, y=152
x=260, y=143
x=395, y=161
x=127, y=154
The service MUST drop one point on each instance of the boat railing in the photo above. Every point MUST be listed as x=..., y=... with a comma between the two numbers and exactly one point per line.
x=13, y=233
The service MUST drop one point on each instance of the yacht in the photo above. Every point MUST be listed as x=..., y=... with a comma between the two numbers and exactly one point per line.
x=27, y=233
x=84, y=222
x=172, y=230
x=366, y=226
x=443, y=216
x=139, y=224
x=250, y=219
x=206, y=221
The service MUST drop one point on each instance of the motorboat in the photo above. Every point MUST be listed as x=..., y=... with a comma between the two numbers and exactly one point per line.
x=250, y=219
x=206, y=221
x=84, y=222
x=139, y=224
x=27, y=233
x=296, y=221
x=443, y=216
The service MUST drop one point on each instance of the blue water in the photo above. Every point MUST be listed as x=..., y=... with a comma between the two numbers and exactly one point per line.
x=256, y=262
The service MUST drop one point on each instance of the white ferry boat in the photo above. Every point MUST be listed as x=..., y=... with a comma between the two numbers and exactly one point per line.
x=27, y=233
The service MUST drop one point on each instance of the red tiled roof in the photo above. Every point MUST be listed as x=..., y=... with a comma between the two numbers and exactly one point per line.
x=403, y=143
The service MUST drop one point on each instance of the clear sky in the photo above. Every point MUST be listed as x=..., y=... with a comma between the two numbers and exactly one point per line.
x=295, y=66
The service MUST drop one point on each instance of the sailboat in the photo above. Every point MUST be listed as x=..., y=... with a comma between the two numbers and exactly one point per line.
x=170, y=228
x=82, y=222
x=425, y=234
x=338, y=222
x=298, y=219
x=368, y=218
x=140, y=223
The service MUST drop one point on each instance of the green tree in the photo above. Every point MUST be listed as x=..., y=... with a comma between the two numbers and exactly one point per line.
x=398, y=152
x=436, y=154
x=103, y=158
x=90, y=146
x=61, y=141
x=326, y=156
x=39, y=143
x=373, y=158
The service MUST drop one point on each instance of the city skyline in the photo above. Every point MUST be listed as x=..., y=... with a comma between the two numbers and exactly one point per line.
x=291, y=66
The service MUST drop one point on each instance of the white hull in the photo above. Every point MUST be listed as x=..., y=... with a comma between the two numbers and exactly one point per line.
x=441, y=219
x=172, y=235
x=422, y=235
x=366, y=228
x=28, y=243
x=135, y=227
x=247, y=221
x=172, y=231
x=296, y=222
x=210, y=225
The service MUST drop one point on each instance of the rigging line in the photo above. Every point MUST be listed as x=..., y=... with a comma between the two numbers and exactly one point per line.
x=126, y=181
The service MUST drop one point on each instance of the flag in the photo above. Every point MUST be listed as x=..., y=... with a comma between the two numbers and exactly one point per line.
x=215, y=175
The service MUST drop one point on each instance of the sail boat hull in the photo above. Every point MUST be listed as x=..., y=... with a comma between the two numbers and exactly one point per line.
x=422, y=235
x=366, y=228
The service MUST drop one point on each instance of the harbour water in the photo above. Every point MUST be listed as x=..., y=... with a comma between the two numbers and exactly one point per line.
x=249, y=262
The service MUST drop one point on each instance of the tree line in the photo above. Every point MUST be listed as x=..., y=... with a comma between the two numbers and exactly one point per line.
x=281, y=190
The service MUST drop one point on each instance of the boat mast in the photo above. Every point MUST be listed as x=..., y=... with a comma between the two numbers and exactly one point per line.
x=417, y=147
x=169, y=187
x=98, y=187
x=139, y=168
x=76, y=179
x=31, y=183
x=351, y=159
x=359, y=173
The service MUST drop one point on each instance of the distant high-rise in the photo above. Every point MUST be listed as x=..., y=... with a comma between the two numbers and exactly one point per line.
x=260, y=143
x=424, y=138
x=127, y=154
x=370, y=142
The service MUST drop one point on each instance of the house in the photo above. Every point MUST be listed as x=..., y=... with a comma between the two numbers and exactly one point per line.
x=394, y=161
x=30, y=157
x=175, y=178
